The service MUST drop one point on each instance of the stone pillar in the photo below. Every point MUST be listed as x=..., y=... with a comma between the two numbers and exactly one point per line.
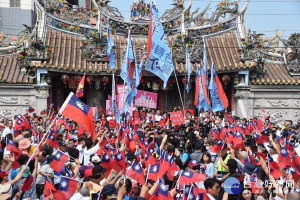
x=244, y=104
x=42, y=94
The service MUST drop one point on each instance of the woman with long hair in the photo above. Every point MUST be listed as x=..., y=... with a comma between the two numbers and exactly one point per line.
x=207, y=166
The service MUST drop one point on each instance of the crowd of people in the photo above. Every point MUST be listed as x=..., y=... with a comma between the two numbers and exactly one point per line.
x=148, y=157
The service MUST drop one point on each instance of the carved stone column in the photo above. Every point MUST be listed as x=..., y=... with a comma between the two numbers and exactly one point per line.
x=244, y=102
x=42, y=94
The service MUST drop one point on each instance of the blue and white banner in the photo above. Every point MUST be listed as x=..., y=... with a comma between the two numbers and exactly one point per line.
x=159, y=60
x=188, y=69
x=110, y=51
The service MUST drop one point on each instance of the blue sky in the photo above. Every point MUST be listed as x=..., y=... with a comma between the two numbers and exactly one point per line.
x=262, y=16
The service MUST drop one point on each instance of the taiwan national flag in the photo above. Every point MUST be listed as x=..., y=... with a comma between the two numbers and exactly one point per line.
x=107, y=162
x=61, y=120
x=27, y=183
x=238, y=142
x=59, y=161
x=20, y=122
x=177, y=118
x=156, y=171
x=149, y=159
x=136, y=172
x=48, y=186
x=187, y=177
x=66, y=189
x=44, y=112
x=163, y=191
x=273, y=166
x=198, y=194
x=30, y=109
x=12, y=147
x=217, y=147
x=260, y=139
x=120, y=158
x=51, y=140
x=73, y=108
x=80, y=88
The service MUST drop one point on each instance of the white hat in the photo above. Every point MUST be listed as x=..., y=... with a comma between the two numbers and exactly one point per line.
x=95, y=158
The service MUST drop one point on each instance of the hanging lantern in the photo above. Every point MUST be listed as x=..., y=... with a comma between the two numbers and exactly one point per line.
x=226, y=80
x=105, y=81
x=65, y=79
x=72, y=83
x=90, y=80
x=157, y=82
x=144, y=82
x=161, y=82
x=183, y=81
x=77, y=79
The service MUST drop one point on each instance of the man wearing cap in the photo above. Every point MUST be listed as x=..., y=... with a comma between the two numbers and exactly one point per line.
x=6, y=185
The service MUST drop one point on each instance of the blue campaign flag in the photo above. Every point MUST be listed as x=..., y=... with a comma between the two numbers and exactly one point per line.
x=110, y=45
x=139, y=70
x=188, y=69
x=217, y=104
x=159, y=59
x=114, y=102
x=202, y=103
x=129, y=64
x=125, y=66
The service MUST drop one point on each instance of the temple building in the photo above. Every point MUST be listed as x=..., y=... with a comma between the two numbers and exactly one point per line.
x=45, y=62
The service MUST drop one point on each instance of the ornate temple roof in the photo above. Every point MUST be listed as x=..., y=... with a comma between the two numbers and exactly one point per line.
x=78, y=44
x=10, y=71
x=276, y=74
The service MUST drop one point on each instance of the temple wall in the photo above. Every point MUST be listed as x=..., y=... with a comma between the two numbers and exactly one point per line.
x=279, y=102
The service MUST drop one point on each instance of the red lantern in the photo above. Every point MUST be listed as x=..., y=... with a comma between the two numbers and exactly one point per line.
x=105, y=80
x=144, y=81
x=171, y=82
x=183, y=80
x=226, y=79
x=90, y=79
x=65, y=79
x=161, y=82
x=77, y=79
x=157, y=82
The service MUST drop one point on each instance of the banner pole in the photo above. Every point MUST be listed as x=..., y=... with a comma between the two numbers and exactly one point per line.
x=47, y=131
x=180, y=95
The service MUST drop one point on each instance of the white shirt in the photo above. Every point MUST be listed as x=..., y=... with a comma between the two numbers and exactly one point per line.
x=78, y=196
x=157, y=118
x=210, y=197
x=40, y=179
x=87, y=153
x=7, y=131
